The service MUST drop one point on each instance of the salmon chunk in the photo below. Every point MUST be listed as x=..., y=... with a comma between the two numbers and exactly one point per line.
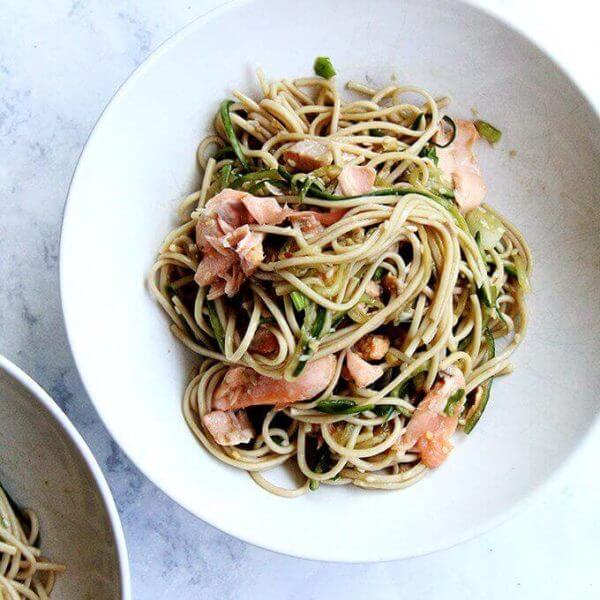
x=372, y=346
x=355, y=180
x=459, y=165
x=229, y=428
x=307, y=155
x=360, y=371
x=429, y=430
x=243, y=386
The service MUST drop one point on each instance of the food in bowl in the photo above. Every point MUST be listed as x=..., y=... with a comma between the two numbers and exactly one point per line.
x=24, y=572
x=342, y=282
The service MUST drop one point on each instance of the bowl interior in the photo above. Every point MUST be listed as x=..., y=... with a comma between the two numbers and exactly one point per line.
x=543, y=176
x=43, y=469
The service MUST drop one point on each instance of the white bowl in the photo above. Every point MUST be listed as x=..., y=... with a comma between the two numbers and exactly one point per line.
x=45, y=465
x=140, y=161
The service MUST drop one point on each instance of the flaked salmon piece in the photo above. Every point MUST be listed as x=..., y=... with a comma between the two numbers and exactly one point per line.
x=355, y=180
x=312, y=221
x=307, y=155
x=230, y=251
x=212, y=264
x=243, y=386
x=264, y=342
x=234, y=208
x=207, y=229
x=229, y=428
x=228, y=208
x=248, y=247
x=372, y=346
x=265, y=211
x=360, y=371
x=429, y=430
x=459, y=164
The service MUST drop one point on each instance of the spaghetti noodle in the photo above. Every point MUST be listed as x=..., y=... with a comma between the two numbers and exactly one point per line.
x=400, y=291
x=24, y=572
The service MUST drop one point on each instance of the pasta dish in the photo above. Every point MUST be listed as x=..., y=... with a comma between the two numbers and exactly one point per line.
x=349, y=295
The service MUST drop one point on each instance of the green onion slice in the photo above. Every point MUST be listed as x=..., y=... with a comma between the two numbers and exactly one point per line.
x=488, y=132
x=299, y=300
x=323, y=67
x=453, y=402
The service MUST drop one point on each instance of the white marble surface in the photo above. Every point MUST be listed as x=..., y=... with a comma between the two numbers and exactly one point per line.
x=60, y=62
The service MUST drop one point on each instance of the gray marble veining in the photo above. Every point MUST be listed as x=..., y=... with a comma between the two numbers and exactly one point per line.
x=60, y=62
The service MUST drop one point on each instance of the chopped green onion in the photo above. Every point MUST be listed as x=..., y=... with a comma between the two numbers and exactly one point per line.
x=453, y=402
x=522, y=277
x=215, y=323
x=311, y=331
x=225, y=174
x=342, y=406
x=488, y=132
x=230, y=133
x=323, y=67
x=487, y=298
x=314, y=485
x=430, y=153
x=299, y=300
x=486, y=225
x=452, y=124
x=378, y=275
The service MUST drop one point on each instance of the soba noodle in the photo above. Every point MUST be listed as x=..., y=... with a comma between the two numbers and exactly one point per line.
x=454, y=294
x=24, y=572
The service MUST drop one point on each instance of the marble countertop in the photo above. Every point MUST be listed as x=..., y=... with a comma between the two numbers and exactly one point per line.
x=60, y=63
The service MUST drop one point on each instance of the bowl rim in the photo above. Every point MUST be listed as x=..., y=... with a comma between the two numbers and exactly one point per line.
x=39, y=393
x=475, y=531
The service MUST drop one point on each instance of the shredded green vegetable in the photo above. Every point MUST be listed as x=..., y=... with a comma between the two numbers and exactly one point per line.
x=342, y=406
x=225, y=152
x=215, y=323
x=299, y=300
x=485, y=387
x=488, y=132
x=254, y=176
x=453, y=402
x=228, y=126
x=225, y=175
